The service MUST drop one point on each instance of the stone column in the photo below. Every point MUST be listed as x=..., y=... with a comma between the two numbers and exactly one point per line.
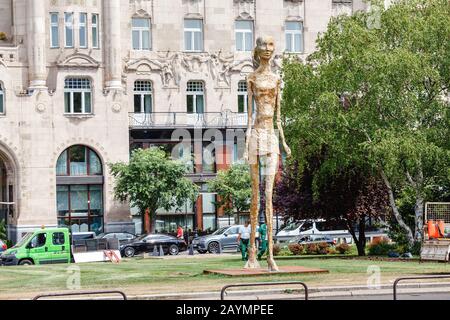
x=36, y=43
x=113, y=58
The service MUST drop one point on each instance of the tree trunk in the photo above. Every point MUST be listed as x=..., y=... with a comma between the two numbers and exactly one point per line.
x=418, y=212
x=397, y=214
x=362, y=237
x=152, y=215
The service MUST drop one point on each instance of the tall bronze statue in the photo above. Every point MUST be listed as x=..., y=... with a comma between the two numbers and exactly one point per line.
x=262, y=144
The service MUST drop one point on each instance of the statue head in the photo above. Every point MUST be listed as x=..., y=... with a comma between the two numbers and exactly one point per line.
x=265, y=47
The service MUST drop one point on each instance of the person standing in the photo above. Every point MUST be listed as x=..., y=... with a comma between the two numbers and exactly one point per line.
x=244, y=239
x=263, y=236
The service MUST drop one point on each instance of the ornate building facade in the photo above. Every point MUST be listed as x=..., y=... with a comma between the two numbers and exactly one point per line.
x=84, y=82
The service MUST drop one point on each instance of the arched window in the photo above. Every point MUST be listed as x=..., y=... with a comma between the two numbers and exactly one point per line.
x=80, y=190
x=77, y=96
x=143, y=97
x=2, y=99
x=195, y=97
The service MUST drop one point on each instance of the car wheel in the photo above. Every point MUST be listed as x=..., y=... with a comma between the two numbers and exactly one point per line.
x=26, y=262
x=174, y=250
x=214, y=247
x=202, y=251
x=129, y=252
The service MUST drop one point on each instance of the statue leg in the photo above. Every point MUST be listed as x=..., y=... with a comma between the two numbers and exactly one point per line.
x=252, y=263
x=272, y=167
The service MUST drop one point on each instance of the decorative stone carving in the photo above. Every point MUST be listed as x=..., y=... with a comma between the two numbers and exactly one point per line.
x=193, y=8
x=244, y=9
x=342, y=7
x=294, y=9
x=78, y=60
x=143, y=8
x=171, y=67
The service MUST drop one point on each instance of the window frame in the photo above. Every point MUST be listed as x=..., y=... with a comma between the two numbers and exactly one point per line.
x=69, y=25
x=2, y=100
x=83, y=26
x=292, y=34
x=52, y=26
x=192, y=32
x=195, y=94
x=83, y=92
x=242, y=93
x=143, y=94
x=95, y=30
x=250, y=31
x=141, y=31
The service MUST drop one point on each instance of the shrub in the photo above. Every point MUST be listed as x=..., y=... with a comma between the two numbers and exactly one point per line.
x=276, y=250
x=343, y=248
x=331, y=251
x=322, y=248
x=296, y=249
x=382, y=248
x=311, y=248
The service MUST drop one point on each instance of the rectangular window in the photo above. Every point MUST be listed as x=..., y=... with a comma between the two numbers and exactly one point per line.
x=141, y=34
x=244, y=35
x=54, y=30
x=95, y=33
x=294, y=36
x=195, y=98
x=68, y=25
x=83, y=30
x=142, y=97
x=242, y=97
x=193, y=35
x=77, y=96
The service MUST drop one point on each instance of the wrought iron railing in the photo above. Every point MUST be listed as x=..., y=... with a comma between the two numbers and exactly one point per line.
x=225, y=119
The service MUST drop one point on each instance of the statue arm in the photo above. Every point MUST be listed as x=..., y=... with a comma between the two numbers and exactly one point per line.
x=250, y=118
x=279, y=124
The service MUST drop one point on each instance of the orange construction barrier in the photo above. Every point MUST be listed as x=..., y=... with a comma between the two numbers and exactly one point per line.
x=441, y=228
x=433, y=233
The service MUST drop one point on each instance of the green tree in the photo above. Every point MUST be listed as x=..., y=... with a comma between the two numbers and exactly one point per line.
x=151, y=181
x=375, y=98
x=234, y=189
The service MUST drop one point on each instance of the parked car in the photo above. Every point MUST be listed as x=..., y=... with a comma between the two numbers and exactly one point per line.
x=225, y=238
x=312, y=227
x=123, y=237
x=313, y=239
x=3, y=246
x=147, y=243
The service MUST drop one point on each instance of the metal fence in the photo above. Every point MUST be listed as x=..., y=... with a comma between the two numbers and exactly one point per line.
x=437, y=211
x=81, y=293
x=396, y=282
x=263, y=284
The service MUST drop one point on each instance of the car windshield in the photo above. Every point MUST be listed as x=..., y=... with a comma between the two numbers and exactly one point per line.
x=101, y=235
x=220, y=231
x=292, y=226
x=24, y=240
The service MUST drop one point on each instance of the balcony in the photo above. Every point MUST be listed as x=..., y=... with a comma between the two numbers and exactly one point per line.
x=171, y=120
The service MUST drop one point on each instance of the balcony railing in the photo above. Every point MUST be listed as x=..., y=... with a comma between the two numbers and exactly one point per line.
x=226, y=119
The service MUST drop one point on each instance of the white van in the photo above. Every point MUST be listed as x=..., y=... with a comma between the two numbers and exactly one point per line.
x=316, y=227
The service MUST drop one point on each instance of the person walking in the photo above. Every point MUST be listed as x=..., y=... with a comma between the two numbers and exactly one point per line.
x=244, y=239
x=263, y=237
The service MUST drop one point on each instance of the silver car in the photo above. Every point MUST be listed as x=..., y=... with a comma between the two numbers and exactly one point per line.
x=225, y=238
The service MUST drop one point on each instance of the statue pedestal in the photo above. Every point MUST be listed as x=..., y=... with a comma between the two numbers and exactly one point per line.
x=264, y=271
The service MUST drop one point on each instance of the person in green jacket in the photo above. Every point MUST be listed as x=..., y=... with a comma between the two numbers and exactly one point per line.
x=263, y=236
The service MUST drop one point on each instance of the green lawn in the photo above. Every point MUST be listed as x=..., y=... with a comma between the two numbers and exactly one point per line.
x=153, y=276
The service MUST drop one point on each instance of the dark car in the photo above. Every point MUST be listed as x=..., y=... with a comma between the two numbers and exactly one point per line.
x=147, y=243
x=123, y=237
